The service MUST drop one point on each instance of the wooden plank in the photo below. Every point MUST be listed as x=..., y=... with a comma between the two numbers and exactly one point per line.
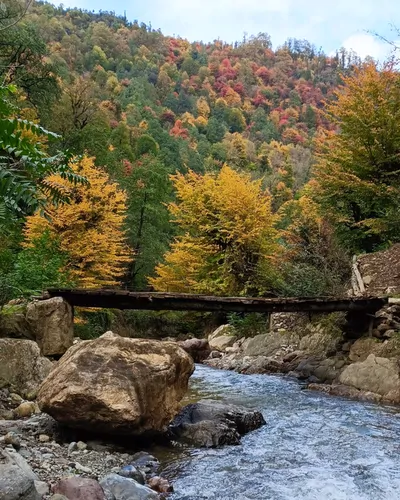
x=119, y=299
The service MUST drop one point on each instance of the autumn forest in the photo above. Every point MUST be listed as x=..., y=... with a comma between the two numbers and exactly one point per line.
x=136, y=160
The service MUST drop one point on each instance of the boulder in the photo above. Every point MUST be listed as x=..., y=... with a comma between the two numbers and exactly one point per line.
x=199, y=349
x=222, y=342
x=13, y=323
x=17, y=480
x=52, y=322
x=320, y=343
x=268, y=344
x=324, y=369
x=377, y=375
x=116, y=487
x=363, y=347
x=262, y=364
x=79, y=488
x=211, y=424
x=22, y=368
x=117, y=385
x=223, y=331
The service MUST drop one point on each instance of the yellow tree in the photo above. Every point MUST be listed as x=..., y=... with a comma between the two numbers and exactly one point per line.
x=228, y=245
x=89, y=229
x=358, y=167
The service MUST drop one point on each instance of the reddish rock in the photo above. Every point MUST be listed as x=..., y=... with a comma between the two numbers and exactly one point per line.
x=160, y=485
x=79, y=488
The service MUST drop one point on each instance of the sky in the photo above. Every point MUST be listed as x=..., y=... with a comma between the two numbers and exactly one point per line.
x=329, y=24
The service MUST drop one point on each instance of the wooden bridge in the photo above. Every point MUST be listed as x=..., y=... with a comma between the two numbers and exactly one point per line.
x=121, y=299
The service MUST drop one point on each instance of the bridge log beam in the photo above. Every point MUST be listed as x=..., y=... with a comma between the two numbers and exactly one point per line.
x=119, y=299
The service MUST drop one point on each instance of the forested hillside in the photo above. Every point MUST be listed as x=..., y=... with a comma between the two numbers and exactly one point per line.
x=188, y=166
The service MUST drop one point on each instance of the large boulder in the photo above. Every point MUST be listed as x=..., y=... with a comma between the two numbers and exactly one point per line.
x=377, y=375
x=199, y=349
x=22, y=368
x=212, y=424
x=52, y=322
x=117, y=385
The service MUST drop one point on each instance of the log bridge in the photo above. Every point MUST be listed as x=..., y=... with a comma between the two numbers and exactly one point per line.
x=122, y=299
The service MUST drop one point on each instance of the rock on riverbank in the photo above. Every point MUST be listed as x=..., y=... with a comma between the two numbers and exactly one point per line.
x=117, y=385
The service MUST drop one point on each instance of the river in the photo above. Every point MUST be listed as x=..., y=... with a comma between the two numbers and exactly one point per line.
x=314, y=447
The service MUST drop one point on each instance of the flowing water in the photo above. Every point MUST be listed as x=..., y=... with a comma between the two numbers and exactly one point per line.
x=314, y=447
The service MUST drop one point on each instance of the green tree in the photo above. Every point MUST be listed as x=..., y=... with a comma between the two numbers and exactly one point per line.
x=358, y=168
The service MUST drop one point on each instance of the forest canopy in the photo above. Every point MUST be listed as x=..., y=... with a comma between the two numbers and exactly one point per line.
x=143, y=161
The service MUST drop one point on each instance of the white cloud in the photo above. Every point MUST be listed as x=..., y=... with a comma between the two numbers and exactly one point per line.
x=367, y=45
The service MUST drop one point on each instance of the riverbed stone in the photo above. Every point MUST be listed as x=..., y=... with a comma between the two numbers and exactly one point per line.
x=223, y=331
x=212, y=424
x=222, y=342
x=52, y=322
x=16, y=485
x=22, y=367
x=160, y=484
x=79, y=488
x=25, y=409
x=268, y=344
x=199, y=349
x=133, y=473
x=117, y=385
x=375, y=374
x=116, y=487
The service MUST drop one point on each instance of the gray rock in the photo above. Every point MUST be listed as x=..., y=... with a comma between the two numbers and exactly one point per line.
x=211, y=424
x=42, y=488
x=133, y=473
x=17, y=480
x=15, y=484
x=145, y=462
x=116, y=487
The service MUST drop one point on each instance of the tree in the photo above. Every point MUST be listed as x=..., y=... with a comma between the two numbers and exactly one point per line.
x=358, y=167
x=89, y=229
x=25, y=167
x=149, y=189
x=228, y=242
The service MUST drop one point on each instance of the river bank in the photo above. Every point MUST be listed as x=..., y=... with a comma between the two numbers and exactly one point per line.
x=329, y=353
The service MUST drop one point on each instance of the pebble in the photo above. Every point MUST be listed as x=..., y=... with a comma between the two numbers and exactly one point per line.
x=82, y=468
x=72, y=447
x=81, y=445
x=44, y=438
